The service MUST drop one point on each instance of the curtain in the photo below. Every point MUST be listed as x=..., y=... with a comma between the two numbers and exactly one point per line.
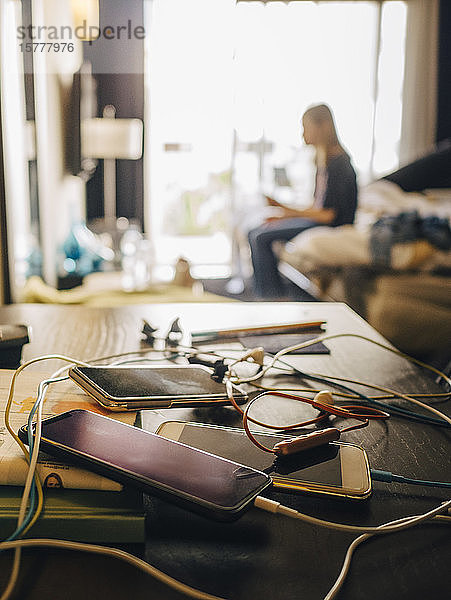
x=3, y=248
x=419, y=118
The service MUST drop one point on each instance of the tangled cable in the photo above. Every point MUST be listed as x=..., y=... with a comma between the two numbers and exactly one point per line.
x=323, y=401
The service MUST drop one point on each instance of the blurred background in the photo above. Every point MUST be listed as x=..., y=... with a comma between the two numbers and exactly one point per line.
x=153, y=133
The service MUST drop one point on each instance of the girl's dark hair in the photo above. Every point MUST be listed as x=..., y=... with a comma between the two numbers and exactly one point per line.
x=322, y=115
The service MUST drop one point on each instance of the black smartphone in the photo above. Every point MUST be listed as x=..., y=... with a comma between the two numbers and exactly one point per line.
x=134, y=388
x=336, y=469
x=199, y=481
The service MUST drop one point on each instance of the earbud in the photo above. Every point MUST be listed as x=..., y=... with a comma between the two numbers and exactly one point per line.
x=149, y=333
x=324, y=397
x=175, y=333
x=257, y=355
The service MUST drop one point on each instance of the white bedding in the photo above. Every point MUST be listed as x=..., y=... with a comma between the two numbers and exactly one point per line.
x=349, y=245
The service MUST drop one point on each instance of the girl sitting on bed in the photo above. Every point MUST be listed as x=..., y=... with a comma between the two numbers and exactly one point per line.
x=334, y=201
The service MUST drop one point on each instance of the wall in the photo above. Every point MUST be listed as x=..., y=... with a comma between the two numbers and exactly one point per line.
x=444, y=73
x=118, y=68
x=4, y=287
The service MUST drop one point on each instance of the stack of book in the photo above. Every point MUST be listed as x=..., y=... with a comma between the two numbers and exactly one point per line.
x=93, y=516
x=79, y=505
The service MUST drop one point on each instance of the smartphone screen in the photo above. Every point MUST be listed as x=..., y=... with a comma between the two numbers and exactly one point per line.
x=337, y=469
x=198, y=480
x=160, y=386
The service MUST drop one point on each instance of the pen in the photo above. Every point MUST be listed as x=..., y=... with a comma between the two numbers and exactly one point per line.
x=216, y=334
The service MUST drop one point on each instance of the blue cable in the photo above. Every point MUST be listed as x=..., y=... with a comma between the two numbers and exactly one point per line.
x=33, y=491
x=28, y=517
x=389, y=407
x=402, y=412
x=388, y=477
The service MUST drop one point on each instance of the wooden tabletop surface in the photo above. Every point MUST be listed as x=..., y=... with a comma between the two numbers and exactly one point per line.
x=260, y=555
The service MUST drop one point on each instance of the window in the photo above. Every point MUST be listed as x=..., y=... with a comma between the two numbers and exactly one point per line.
x=226, y=85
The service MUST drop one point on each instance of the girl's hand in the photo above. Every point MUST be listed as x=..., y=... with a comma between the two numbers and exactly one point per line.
x=282, y=213
x=273, y=219
x=271, y=202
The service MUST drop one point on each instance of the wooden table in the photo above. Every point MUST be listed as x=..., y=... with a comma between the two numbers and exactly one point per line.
x=260, y=555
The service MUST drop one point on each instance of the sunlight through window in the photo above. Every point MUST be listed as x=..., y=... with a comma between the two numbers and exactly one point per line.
x=226, y=86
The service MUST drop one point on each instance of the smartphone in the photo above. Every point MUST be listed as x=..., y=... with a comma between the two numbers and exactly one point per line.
x=199, y=481
x=335, y=469
x=134, y=388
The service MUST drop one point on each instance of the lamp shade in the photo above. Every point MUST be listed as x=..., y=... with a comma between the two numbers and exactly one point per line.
x=112, y=138
x=85, y=14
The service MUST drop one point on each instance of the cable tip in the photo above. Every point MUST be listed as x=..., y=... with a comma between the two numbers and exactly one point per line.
x=266, y=504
